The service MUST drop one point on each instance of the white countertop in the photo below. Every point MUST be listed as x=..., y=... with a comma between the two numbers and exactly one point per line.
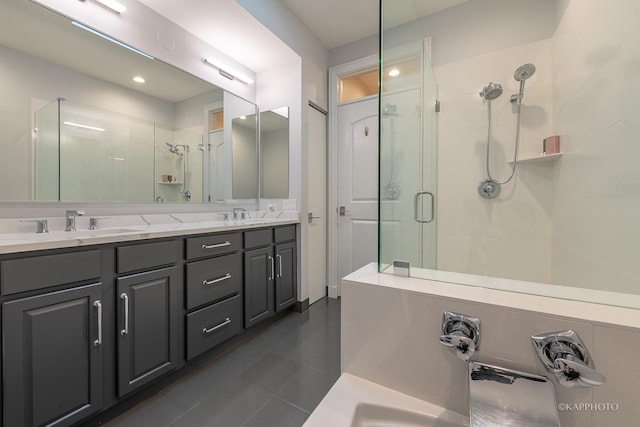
x=17, y=236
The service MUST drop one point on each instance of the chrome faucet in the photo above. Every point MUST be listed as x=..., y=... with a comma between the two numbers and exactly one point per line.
x=242, y=211
x=71, y=219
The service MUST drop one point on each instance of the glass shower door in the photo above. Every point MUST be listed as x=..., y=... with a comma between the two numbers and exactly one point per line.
x=408, y=132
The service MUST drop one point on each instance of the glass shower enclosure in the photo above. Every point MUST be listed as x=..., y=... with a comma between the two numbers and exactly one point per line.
x=408, y=150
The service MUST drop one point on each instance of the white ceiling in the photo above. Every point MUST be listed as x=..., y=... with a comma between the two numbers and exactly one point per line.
x=229, y=28
x=338, y=22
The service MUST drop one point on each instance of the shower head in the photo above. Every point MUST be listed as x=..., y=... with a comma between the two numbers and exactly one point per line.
x=491, y=91
x=389, y=110
x=523, y=72
x=172, y=148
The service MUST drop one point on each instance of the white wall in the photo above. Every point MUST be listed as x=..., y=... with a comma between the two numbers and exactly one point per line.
x=597, y=114
x=509, y=236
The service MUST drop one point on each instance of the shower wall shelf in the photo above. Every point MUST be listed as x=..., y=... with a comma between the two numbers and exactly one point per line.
x=540, y=159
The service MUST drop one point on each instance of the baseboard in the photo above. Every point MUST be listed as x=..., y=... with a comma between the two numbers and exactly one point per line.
x=301, y=306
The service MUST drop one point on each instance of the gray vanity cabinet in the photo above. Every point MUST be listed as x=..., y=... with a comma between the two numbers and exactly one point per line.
x=147, y=315
x=270, y=272
x=286, y=274
x=52, y=364
x=259, y=272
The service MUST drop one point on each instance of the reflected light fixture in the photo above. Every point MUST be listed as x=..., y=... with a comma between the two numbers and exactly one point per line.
x=243, y=117
x=394, y=72
x=139, y=79
x=111, y=39
x=81, y=126
x=227, y=71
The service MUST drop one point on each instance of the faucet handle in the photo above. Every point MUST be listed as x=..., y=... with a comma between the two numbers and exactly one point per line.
x=576, y=374
x=42, y=225
x=93, y=222
x=75, y=213
x=464, y=346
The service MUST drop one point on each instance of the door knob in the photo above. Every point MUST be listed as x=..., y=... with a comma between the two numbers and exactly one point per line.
x=342, y=210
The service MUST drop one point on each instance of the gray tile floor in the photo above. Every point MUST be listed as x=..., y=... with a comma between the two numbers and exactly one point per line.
x=275, y=379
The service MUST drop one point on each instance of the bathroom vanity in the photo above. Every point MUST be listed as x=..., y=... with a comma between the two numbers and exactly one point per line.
x=88, y=319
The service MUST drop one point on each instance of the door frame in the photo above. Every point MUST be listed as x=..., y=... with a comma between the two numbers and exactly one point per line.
x=335, y=74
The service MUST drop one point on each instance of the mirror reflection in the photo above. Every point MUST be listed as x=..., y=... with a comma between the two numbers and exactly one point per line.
x=274, y=153
x=88, y=121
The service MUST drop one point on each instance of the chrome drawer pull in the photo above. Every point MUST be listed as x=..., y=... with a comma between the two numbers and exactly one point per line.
x=125, y=298
x=219, y=279
x=98, y=305
x=219, y=245
x=208, y=331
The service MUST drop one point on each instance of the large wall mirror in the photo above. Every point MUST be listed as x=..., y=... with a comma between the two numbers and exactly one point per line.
x=86, y=120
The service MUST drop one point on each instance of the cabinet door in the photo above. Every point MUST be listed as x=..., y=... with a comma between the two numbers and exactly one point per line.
x=259, y=272
x=53, y=357
x=286, y=277
x=147, y=327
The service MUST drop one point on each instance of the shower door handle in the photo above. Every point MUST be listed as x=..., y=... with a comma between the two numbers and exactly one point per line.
x=416, y=199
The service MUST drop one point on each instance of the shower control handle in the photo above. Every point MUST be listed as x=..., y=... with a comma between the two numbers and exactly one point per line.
x=571, y=373
x=464, y=346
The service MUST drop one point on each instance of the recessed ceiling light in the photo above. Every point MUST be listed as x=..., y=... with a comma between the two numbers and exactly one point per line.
x=138, y=79
x=394, y=72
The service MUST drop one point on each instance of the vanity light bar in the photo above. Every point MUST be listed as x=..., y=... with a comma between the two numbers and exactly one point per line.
x=112, y=40
x=227, y=71
x=113, y=5
x=78, y=125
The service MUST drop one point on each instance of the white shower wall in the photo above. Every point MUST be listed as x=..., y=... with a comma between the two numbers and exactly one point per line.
x=509, y=236
x=597, y=114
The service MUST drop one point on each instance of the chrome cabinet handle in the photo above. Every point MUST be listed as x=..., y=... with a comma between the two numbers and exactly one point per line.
x=219, y=245
x=279, y=273
x=125, y=298
x=416, y=198
x=206, y=331
x=214, y=281
x=272, y=267
x=98, y=305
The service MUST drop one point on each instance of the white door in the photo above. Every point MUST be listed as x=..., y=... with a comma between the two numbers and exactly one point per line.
x=357, y=185
x=316, y=265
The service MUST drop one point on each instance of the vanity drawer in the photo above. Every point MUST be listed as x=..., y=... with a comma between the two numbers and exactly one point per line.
x=213, y=244
x=257, y=238
x=212, y=325
x=39, y=272
x=284, y=234
x=146, y=255
x=213, y=279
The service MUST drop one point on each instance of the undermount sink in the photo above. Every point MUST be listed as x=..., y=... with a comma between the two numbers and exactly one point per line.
x=89, y=233
x=371, y=415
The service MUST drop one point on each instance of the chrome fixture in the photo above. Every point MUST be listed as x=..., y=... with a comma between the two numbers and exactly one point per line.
x=521, y=74
x=416, y=204
x=392, y=189
x=241, y=211
x=504, y=397
x=93, y=222
x=490, y=187
x=565, y=355
x=71, y=219
x=227, y=71
x=461, y=333
x=42, y=225
x=491, y=91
